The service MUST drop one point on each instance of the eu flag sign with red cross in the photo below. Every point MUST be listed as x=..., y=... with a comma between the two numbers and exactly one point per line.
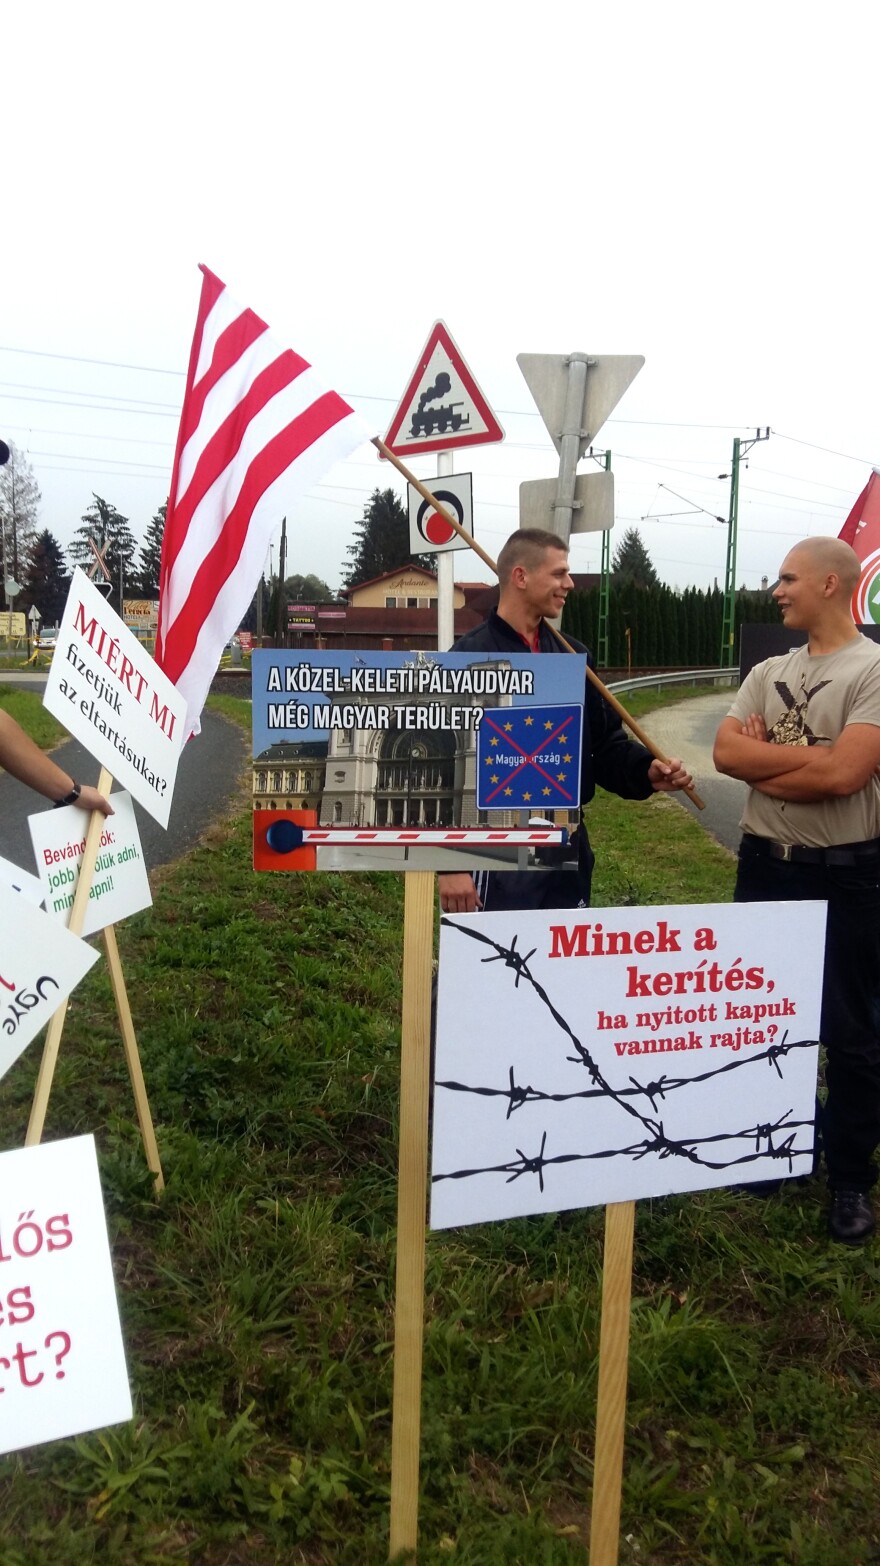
x=529, y=758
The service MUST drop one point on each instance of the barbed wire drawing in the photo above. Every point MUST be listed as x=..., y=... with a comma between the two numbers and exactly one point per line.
x=778, y=1076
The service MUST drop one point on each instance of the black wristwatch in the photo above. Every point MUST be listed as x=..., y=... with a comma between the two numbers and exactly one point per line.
x=69, y=799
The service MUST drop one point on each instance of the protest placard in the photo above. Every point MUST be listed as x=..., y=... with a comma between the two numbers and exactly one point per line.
x=23, y=881
x=113, y=697
x=434, y=761
x=62, y=1361
x=623, y=1053
x=119, y=887
x=40, y=963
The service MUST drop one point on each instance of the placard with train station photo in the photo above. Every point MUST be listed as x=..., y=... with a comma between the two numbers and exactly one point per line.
x=416, y=761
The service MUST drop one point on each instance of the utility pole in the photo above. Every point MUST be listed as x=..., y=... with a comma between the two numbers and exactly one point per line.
x=728, y=622
x=281, y=626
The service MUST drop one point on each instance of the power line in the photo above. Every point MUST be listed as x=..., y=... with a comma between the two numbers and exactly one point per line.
x=813, y=483
x=116, y=462
x=675, y=424
x=53, y=467
x=106, y=402
x=829, y=450
x=667, y=467
x=130, y=440
x=753, y=489
x=689, y=502
x=513, y=413
x=74, y=358
x=141, y=413
x=67, y=391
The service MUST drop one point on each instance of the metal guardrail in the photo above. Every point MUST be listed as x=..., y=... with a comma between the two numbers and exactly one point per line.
x=658, y=682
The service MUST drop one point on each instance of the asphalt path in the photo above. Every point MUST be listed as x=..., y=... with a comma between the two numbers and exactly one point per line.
x=209, y=777
x=687, y=729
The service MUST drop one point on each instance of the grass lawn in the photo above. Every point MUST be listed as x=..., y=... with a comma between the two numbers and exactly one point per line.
x=257, y=1294
x=27, y=709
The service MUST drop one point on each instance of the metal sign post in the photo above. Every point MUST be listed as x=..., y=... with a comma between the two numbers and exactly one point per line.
x=575, y=393
x=445, y=580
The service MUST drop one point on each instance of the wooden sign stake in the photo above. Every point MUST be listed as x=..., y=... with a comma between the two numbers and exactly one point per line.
x=611, y=1401
x=409, y=1311
x=133, y=1059
x=49, y=1059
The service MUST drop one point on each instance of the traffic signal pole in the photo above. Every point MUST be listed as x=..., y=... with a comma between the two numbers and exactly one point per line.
x=728, y=622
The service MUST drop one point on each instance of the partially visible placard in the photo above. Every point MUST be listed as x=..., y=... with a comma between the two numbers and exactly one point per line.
x=15, y=880
x=113, y=697
x=40, y=963
x=119, y=885
x=62, y=1361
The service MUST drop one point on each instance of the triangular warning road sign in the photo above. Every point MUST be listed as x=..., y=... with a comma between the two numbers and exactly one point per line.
x=442, y=406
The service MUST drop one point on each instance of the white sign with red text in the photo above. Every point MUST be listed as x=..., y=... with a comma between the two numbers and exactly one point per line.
x=62, y=1361
x=113, y=697
x=600, y=1055
x=40, y=963
x=119, y=885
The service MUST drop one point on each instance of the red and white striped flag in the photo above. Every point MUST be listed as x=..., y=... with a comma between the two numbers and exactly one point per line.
x=257, y=430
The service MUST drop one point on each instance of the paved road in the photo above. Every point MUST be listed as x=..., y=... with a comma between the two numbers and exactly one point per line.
x=688, y=730
x=208, y=777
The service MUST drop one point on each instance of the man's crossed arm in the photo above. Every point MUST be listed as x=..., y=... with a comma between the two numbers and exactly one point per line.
x=803, y=774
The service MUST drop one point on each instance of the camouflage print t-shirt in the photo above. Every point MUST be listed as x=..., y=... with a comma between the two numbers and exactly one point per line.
x=810, y=701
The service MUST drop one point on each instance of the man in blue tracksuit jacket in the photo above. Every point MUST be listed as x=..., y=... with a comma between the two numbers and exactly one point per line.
x=534, y=582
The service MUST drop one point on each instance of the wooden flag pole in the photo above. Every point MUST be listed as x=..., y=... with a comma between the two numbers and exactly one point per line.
x=603, y=690
x=438, y=505
x=55, y=1030
x=409, y=1310
x=611, y=1401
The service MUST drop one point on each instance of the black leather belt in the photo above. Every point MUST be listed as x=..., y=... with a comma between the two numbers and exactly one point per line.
x=842, y=854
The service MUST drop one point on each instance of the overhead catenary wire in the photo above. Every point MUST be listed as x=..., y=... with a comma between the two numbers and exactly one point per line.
x=104, y=402
x=689, y=502
x=829, y=450
x=131, y=440
x=754, y=498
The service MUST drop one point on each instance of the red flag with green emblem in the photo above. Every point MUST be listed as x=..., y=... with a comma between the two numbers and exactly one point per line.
x=862, y=530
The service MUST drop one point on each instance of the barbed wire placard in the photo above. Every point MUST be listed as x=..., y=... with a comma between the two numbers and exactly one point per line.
x=587, y=1056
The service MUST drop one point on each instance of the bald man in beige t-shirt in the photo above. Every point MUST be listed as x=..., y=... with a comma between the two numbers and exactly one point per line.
x=804, y=733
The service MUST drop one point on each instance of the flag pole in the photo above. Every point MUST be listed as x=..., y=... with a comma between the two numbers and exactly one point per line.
x=603, y=690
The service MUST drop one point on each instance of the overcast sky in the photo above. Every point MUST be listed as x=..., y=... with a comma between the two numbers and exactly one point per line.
x=691, y=182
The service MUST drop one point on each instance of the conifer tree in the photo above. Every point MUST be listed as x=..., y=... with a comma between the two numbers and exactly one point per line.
x=46, y=580
x=631, y=561
x=103, y=523
x=146, y=582
x=382, y=543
